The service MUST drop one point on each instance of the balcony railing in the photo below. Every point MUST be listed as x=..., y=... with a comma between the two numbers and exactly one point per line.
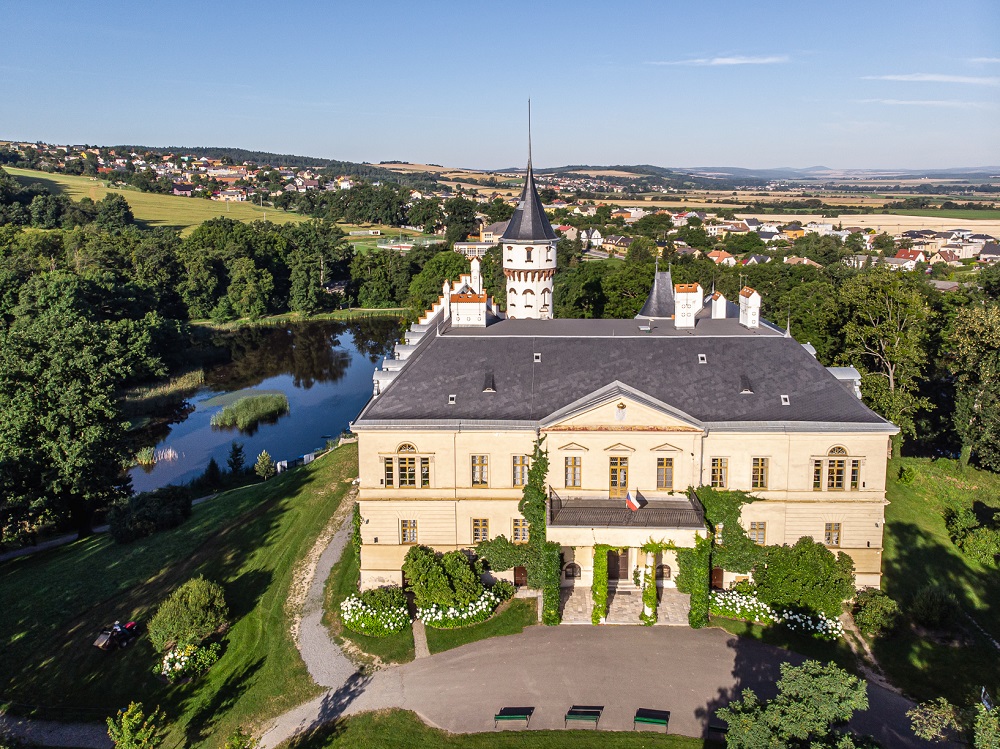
x=612, y=512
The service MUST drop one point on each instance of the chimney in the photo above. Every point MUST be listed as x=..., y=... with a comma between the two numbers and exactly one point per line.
x=688, y=300
x=476, y=281
x=718, y=306
x=749, y=308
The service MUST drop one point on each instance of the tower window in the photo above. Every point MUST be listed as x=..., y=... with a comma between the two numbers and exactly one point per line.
x=527, y=255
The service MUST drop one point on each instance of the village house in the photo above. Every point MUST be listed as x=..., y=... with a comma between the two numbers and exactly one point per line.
x=945, y=256
x=990, y=253
x=591, y=238
x=721, y=257
x=917, y=256
x=695, y=391
x=796, y=260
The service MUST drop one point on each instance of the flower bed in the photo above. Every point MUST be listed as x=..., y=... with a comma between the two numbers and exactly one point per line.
x=478, y=611
x=377, y=613
x=735, y=605
x=187, y=660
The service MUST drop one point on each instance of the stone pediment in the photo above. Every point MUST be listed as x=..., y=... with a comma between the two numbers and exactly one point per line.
x=618, y=407
x=666, y=447
x=618, y=447
x=574, y=447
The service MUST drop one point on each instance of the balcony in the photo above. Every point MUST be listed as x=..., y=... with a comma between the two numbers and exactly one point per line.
x=612, y=512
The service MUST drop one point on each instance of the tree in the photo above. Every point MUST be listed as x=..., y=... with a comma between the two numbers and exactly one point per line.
x=461, y=213
x=249, y=289
x=973, y=355
x=237, y=459
x=884, y=338
x=264, y=467
x=425, y=288
x=193, y=612
x=805, y=576
x=627, y=289
x=935, y=719
x=814, y=704
x=114, y=213
x=986, y=728
x=131, y=728
x=427, y=214
x=382, y=277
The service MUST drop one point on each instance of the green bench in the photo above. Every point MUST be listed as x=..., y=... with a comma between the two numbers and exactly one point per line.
x=513, y=713
x=718, y=729
x=648, y=717
x=587, y=713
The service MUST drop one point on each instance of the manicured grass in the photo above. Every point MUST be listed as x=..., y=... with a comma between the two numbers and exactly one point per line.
x=250, y=411
x=401, y=729
x=515, y=616
x=343, y=581
x=154, y=209
x=55, y=602
x=918, y=552
x=838, y=651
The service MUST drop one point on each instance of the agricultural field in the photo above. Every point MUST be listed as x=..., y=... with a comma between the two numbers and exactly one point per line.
x=154, y=209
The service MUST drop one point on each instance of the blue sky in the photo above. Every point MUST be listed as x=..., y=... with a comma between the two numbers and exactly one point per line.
x=872, y=84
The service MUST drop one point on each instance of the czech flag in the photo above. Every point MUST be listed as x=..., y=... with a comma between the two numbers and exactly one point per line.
x=633, y=503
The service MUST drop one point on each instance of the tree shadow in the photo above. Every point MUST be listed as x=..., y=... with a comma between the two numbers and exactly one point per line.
x=207, y=714
x=328, y=723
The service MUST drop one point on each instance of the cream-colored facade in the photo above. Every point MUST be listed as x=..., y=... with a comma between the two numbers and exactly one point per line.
x=437, y=482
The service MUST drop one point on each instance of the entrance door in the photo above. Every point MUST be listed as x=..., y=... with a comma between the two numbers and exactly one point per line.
x=717, y=578
x=618, y=476
x=614, y=566
x=520, y=576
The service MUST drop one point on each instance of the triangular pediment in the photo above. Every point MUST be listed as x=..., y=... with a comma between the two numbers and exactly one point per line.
x=619, y=407
x=666, y=447
x=574, y=447
x=619, y=447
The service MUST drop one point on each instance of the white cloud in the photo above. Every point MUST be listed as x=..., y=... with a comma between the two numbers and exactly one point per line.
x=734, y=60
x=985, y=59
x=951, y=103
x=936, y=78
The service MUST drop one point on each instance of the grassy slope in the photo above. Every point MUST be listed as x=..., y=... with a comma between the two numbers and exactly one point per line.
x=55, y=602
x=917, y=552
x=399, y=729
x=154, y=209
x=520, y=613
x=343, y=580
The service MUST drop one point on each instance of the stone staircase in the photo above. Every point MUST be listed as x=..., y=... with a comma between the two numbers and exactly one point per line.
x=624, y=604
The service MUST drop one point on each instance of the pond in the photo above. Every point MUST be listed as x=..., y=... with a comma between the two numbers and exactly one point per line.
x=324, y=368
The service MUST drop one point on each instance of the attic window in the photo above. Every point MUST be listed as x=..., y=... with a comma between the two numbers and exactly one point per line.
x=745, y=387
x=538, y=357
x=451, y=400
x=785, y=401
x=488, y=385
x=702, y=359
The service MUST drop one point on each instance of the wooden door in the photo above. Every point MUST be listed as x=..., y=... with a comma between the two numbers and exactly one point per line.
x=623, y=570
x=614, y=565
x=617, y=476
x=717, y=578
x=520, y=576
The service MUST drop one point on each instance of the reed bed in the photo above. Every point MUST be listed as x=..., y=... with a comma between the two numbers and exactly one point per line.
x=250, y=411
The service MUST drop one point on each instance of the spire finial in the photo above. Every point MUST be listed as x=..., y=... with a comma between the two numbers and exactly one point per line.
x=529, y=133
x=788, y=328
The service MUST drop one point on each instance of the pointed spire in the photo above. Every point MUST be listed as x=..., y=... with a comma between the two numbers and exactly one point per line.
x=529, y=222
x=788, y=328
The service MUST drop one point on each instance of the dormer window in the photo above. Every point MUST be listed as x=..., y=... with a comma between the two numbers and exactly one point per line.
x=538, y=357
x=451, y=400
x=702, y=359
x=785, y=401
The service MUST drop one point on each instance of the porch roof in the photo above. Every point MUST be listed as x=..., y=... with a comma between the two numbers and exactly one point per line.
x=675, y=512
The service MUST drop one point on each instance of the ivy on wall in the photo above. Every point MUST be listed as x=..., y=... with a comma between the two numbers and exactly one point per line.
x=599, y=588
x=694, y=577
x=733, y=549
x=649, y=594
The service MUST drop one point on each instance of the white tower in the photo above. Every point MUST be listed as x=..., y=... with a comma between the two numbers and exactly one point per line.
x=529, y=254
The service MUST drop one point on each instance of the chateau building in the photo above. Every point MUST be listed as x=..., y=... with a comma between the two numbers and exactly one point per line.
x=696, y=390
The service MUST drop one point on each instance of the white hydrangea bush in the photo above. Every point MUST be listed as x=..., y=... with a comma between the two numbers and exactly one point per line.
x=735, y=605
x=480, y=610
x=374, y=621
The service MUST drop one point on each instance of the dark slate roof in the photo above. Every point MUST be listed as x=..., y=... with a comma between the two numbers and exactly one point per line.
x=580, y=357
x=660, y=302
x=529, y=222
x=612, y=513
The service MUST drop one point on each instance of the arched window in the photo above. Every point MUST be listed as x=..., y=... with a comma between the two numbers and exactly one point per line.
x=529, y=299
x=546, y=298
x=572, y=571
x=663, y=572
x=406, y=447
x=838, y=450
x=527, y=254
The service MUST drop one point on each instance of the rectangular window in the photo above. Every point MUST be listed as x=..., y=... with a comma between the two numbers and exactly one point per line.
x=720, y=473
x=574, y=468
x=480, y=470
x=835, y=474
x=817, y=475
x=389, y=472
x=855, y=475
x=758, y=533
x=480, y=530
x=520, y=470
x=618, y=476
x=520, y=530
x=664, y=473
x=425, y=473
x=758, y=477
x=407, y=472
x=831, y=534
x=408, y=531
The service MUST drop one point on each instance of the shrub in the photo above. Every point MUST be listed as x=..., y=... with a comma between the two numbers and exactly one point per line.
x=241, y=739
x=187, y=660
x=474, y=612
x=378, y=612
x=735, y=605
x=237, y=458
x=981, y=545
x=264, y=467
x=806, y=576
x=131, y=728
x=933, y=720
x=447, y=580
x=933, y=606
x=875, y=613
x=194, y=611
x=986, y=728
x=959, y=522
x=907, y=474
x=145, y=514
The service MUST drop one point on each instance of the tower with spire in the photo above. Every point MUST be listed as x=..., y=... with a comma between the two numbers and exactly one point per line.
x=529, y=253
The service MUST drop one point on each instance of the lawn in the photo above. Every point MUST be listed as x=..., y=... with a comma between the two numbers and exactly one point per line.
x=838, y=651
x=343, y=580
x=154, y=209
x=250, y=540
x=510, y=620
x=917, y=552
x=401, y=729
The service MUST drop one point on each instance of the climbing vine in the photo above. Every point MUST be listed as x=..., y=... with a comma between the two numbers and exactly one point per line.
x=649, y=594
x=694, y=578
x=599, y=588
x=356, y=531
x=733, y=549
